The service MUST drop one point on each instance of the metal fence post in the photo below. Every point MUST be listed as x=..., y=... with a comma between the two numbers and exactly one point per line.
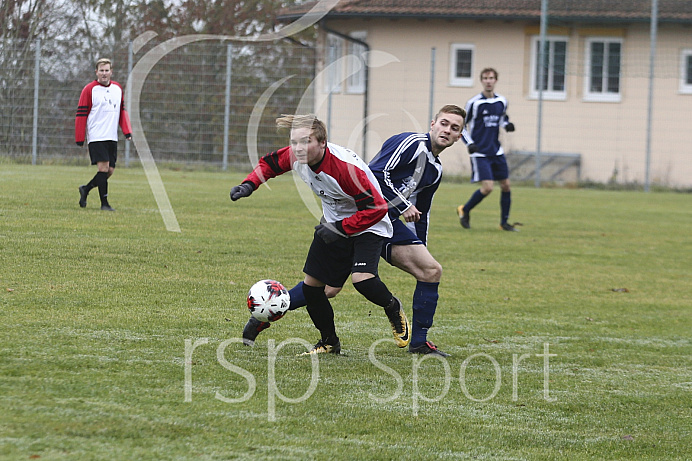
x=130, y=54
x=37, y=73
x=541, y=73
x=432, y=84
x=649, y=118
x=330, y=83
x=227, y=108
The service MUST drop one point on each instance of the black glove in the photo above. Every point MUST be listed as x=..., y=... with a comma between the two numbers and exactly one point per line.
x=243, y=190
x=80, y=143
x=509, y=127
x=472, y=148
x=128, y=137
x=330, y=232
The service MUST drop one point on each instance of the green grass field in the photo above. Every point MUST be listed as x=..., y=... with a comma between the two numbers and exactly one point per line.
x=100, y=313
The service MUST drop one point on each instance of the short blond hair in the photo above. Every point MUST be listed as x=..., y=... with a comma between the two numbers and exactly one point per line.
x=488, y=70
x=451, y=109
x=103, y=61
x=291, y=122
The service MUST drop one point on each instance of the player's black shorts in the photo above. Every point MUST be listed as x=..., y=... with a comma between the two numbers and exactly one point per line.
x=333, y=263
x=103, y=151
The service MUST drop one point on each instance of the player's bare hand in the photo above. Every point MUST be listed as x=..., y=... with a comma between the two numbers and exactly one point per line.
x=411, y=214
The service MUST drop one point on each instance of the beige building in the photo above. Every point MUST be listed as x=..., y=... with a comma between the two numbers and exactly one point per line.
x=385, y=67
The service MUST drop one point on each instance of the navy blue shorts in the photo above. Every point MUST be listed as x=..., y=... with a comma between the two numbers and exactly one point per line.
x=492, y=168
x=333, y=263
x=403, y=235
x=103, y=151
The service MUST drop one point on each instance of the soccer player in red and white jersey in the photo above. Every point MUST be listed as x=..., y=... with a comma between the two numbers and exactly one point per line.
x=408, y=171
x=101, y=110
x=349, y=241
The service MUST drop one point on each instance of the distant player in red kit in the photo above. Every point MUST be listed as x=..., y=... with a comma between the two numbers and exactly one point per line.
x=100, y=111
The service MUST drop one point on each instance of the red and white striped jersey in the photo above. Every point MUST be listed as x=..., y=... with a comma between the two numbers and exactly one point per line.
x=100, y=111
x=342, y=180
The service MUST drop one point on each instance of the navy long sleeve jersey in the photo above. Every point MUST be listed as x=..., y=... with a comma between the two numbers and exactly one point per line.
x=409, y=174
x=484, y=117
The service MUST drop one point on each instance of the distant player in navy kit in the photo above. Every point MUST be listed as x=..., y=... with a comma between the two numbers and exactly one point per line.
x=485, y=114
x=409, y=172
x=100, y=111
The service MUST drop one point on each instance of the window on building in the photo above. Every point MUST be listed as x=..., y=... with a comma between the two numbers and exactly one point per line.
x=355, y=83
x=553, y=82
x=332, y=65
x=686, y=71
x=461, y=65
x=603, y=63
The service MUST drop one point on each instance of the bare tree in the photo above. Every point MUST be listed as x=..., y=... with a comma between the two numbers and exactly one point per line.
x=183, y=110
x=22, y=22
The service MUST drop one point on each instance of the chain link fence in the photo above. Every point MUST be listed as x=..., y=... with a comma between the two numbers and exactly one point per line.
x=194, y=105
x=214, y=102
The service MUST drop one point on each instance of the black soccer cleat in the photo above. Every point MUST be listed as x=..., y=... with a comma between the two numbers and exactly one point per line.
x=83, y=192
x=107, y=208
x=464, y=218
x=508, y=227
x=331, y=345
x=427, y=348
x=253, y=327
x=400, y=326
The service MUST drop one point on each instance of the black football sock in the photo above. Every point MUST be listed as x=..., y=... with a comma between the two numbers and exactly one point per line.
x=375, y=291
x=320, y=310
x=93, y=183
x=103, y=187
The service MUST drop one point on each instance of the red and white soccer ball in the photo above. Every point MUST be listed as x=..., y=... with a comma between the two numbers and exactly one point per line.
x=268, y=300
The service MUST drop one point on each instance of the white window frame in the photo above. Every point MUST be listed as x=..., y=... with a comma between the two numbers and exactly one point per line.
x=685, y=55
x=603, y=96
x=549, y=93
x=453, y=79
x=333, y=52
x=355, y=83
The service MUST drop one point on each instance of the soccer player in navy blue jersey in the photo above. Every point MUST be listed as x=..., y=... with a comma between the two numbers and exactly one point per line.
x=486, y=113
x=408, y=170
